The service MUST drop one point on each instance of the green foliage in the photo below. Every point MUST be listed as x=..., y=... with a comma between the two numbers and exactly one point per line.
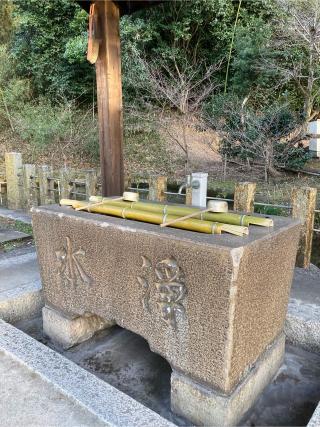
x=295, y=156
x=23, y=227
x=193, y=32
x=47, y=85
x=51, y=38
x=47, y=49
x=61, y=123
x=6, y=19
x=271, y=210
x=13, y=90
x=251, y=44
x=258, y=135
x=144, y=148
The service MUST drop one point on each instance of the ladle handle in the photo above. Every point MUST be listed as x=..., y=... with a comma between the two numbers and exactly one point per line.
x=96, y=204
x=166, y=224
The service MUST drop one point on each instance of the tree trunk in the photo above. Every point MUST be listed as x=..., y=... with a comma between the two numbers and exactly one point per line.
x=307, y=109
x=186, y=148
x=270, y=168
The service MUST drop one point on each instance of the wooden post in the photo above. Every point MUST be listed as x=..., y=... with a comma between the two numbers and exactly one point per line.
x=28, y=179
x=244, y=193
x=109, y=94
x=64, y=184
x=13, y=162
x=91, y=183
x=303, y=207
x=157, y=188
x=46, y=185
x=188, y=196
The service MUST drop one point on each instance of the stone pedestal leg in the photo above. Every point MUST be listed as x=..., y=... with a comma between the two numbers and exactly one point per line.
x=204, y=406
x=69, y=332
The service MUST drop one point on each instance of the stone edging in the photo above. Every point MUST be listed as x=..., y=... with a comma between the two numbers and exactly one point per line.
x=104, y=401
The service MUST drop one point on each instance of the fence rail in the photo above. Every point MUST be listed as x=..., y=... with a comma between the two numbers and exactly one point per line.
x=28, y=185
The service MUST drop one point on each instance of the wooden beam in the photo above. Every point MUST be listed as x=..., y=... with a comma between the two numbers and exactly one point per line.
x=109, y=93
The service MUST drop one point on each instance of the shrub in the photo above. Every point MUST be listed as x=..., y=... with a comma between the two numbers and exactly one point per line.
x=264, y=136
x=42, y=123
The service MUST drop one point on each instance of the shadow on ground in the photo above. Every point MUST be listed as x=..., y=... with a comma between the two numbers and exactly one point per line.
x=124, y=360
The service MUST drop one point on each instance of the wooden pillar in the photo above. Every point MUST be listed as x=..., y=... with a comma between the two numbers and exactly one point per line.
x=303, y=207
x=109, y=93
x=157, y=188
x=244, y=193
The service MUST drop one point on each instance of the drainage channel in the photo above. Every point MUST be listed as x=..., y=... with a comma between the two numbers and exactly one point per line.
x=124, y=360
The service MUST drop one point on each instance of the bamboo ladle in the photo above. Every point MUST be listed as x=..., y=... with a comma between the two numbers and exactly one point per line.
x=128, y=196
x=213, y=206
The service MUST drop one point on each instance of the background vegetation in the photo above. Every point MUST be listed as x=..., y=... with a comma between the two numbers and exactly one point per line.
x=247, y=71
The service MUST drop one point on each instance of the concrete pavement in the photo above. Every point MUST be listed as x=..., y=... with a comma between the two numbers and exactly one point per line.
x=20, y=285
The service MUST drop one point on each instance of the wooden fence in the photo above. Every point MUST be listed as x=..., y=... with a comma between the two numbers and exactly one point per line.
x=23, y=186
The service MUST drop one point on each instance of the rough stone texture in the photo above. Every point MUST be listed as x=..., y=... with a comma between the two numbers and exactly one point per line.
x=28, y=400
x=69, y=332
x=46, y=185
x=315, y=419
x=303, y=206
x=15, y=215
x=29, y=193
x=13, y=163
x=11, y=235
x=20, y=287
x=229, y=299
x=206, y=407
x=21, y=303
x=157, y=187
x=103, y=401
x=124, y=360
x=244, y=193
x=302, y=325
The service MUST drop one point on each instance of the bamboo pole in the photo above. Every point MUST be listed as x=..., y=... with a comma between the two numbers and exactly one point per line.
x=228, y=228
x=158, y=218
x=181, y=218
x=226, y=218
x=88, y=206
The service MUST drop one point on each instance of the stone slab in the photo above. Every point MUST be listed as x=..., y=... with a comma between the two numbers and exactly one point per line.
x=207, y=407
x=302, y=325
x=68, y=332
x=293, y=396
x=20, y=286
x=315, y=419
x=26, y=399
x=106, y=403
x=18, y=269
x=229, y=299
x=124, y=360
x=7, y=235
x=15, y=215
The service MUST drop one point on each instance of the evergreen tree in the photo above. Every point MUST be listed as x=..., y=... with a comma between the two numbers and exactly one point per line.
x=42, y=43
